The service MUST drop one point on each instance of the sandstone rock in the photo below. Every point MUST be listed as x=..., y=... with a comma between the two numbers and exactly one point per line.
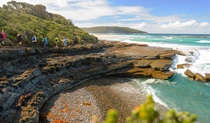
x=207, y=77
x=182, y=66
x=142, y=63
x=199, y=77
x=189, y=73
x=138, y=72
x=47, y=79
x=144, y=72
x=161, y=64
x=169, y=56
x=162, y=75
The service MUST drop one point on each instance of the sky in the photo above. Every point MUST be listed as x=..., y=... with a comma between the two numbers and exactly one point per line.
x=153, y=16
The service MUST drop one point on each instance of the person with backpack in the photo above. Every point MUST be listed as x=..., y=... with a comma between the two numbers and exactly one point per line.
x=3, y=37
x=19, y=38
x=64, y=42
x=34, y=41
x=45, y=40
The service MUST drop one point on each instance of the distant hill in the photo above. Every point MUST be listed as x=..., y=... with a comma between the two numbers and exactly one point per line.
x=34, y=19
x=112, y=29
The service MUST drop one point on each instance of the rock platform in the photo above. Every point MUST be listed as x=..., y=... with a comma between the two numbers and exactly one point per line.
x=30, y=76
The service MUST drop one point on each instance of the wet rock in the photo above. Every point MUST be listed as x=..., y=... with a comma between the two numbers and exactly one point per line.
x=182, y=66
x=190, y=59
x=207, y=77
x=199, y=77
x=189, y=73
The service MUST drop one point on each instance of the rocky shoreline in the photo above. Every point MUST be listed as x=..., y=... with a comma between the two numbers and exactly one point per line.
x=95, y=97
x=29, y=76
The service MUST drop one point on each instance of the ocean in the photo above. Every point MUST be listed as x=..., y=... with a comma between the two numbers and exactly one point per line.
x=179, y=92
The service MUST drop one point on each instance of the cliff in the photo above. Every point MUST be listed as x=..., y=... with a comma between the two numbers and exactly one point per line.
x=29, y=76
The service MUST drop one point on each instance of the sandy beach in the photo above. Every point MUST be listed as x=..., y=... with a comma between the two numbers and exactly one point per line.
x=94, y=97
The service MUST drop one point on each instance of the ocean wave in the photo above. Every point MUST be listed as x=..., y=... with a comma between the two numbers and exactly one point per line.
x=149, y=90
x=168, y=37
x=208, y=84
x=153, y=92
x=203, y=41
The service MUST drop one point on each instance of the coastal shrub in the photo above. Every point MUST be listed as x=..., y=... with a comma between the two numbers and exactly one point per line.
x=146, y=113
x=34, y=19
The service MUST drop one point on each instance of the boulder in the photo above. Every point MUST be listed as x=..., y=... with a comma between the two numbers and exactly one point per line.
x=161, y=65
x=162, y=75
x=207, y=77
x=189, y=73
x=182, y=66
x=199, y=77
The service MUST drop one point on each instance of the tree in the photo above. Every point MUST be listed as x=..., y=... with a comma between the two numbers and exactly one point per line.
x=146, y=113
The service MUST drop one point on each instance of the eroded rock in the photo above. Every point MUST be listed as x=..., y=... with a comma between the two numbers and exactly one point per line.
x=161, y=64
x=189, y=73
x=199, y=77
x=62, y=68
x=162, y=75
x=182, y=66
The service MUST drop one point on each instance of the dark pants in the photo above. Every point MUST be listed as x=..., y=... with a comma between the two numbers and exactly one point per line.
x=34, y=44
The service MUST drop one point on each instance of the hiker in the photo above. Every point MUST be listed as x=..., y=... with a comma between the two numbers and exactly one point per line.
x=3, y=37
x=64, y=42
x=34, y=41
x=56, y=42
x=45, y=40
x=19, y=38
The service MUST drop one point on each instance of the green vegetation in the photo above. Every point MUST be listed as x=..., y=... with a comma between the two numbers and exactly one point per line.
x=34, y=19
x=112, y=29
x=146, y=113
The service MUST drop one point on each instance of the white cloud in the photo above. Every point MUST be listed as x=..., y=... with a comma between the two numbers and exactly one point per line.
x=84, y=10
x=138, y=17
x=179, y=24
x=186, y=24
x=204, y=24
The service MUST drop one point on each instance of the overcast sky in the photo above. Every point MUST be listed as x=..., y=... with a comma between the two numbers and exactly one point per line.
x=153, y=16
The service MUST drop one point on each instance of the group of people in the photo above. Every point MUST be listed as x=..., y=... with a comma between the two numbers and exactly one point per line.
x=45, y=41
x=3, y=38
x=34, y=40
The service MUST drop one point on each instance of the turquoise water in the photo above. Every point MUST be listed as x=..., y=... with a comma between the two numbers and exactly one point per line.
x=178, y=92
x=181, y=94
x=180, y=39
